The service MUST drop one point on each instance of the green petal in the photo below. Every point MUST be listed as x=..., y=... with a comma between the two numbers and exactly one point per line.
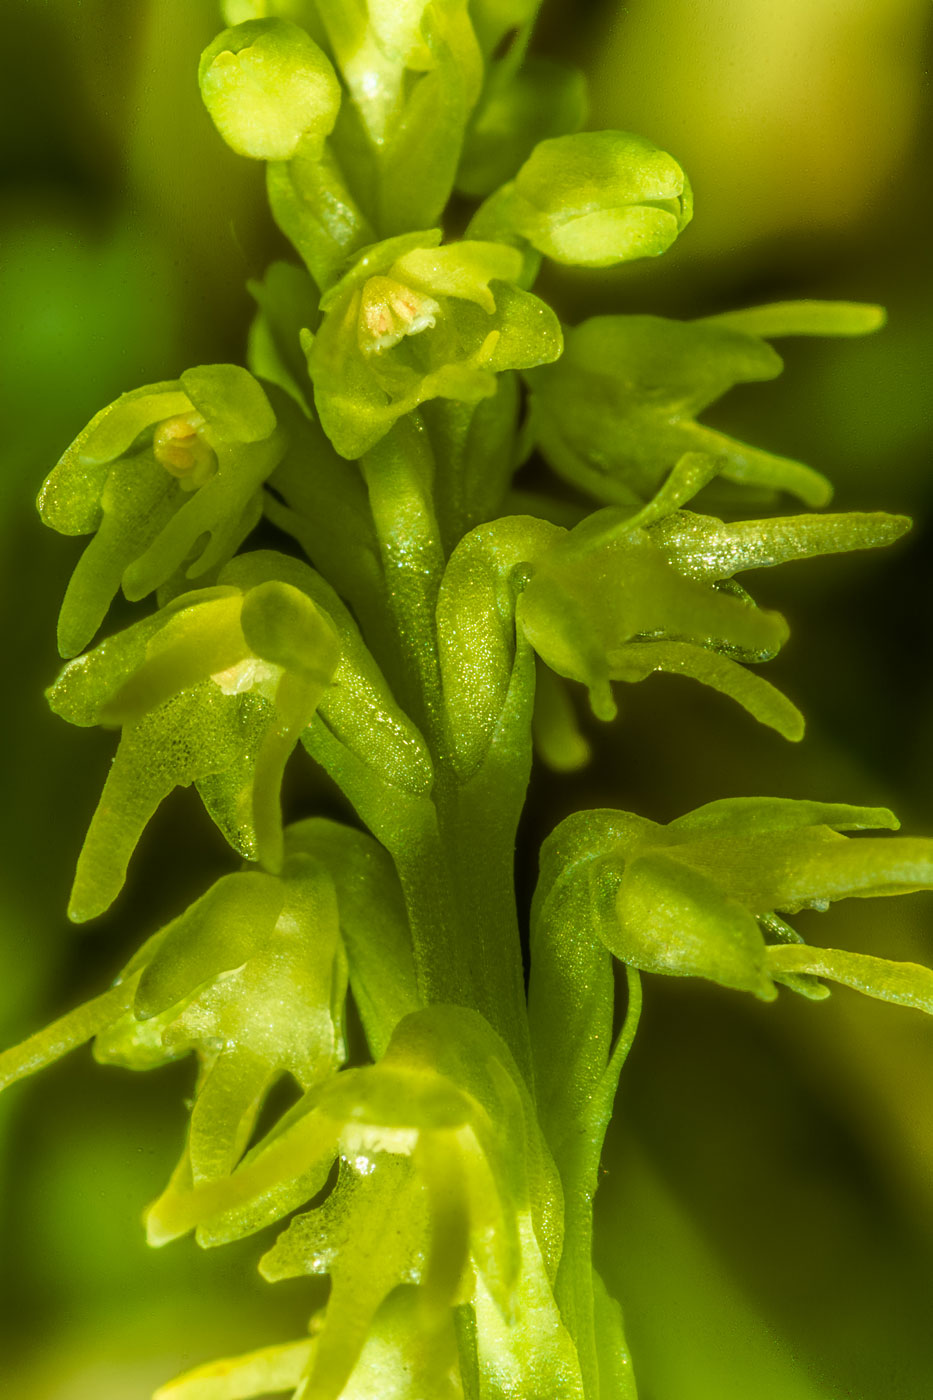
x=676, y=920
x=462, y=270
x=743, y=816
x=137, y=501
x=529, y=332
x=847, y=869
x=905, y=984
x=374, y=259
x=776, y=931
x=803, y=318
x=194, y=642
x=223, y=928
x=268, y=1371
x=273, y=1180
x=225, y=1110
x=689, y=474
x=196, y=733
x=370, y=1235
x=64, y=1035
x=231, y=400
x=354, y=411
x=704, y=548
x=761, y=699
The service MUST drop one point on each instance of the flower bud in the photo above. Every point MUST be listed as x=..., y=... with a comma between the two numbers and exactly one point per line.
x=269, y=88
x=599, y=198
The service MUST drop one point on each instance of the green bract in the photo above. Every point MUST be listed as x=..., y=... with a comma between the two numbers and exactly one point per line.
x=269, y=89
x=592, y=200
x=169, y=477
x=619, y=409
x=412, y=321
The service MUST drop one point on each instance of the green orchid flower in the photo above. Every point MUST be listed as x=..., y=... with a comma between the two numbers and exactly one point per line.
x=252, y=978
x=412, y=321
x=625, y=594
x=168, y=478
x=214, y=689
x=443, y=1173
x=621, y=406
x=704, y=895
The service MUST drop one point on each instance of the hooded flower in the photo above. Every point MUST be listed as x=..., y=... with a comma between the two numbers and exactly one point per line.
x=412, y=321
x=622, y=405
x=214, y=689
x=703, y=896
x=169, y=476
x=252, y=978
x=444, y=1197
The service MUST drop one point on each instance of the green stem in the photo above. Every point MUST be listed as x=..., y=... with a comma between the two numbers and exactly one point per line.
x=458, y=878
x=578, y=1157
x=314, y=208
x=478, y=819
x=399, y=476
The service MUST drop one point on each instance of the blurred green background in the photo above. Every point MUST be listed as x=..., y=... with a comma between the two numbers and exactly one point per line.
x=766, y=1213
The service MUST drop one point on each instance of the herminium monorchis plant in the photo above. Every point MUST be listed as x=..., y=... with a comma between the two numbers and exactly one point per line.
x=397, y=380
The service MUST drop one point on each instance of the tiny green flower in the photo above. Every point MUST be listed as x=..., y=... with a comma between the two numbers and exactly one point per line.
x=168, y=477
x=215, y=689
x=251, y=977
x=701, y=896
x=412, y=321
x=622, y=405
x=596, y=608
x=443, y=1190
